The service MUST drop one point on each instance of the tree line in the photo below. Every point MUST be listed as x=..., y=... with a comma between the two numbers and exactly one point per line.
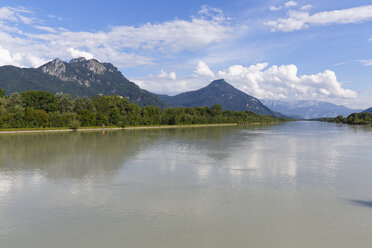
x=355, y=118
x=42, y=109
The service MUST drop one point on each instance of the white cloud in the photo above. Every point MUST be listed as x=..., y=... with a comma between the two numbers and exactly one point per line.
x=35, y=61
x=75, y=53
x=172, y=75
x=306, y=7
x=124, y=46
x=282, y=82
x=297, y=20
x=339, y=64
x=215, y=13
x=18, y=59
x=286, y=5
x=203, y=70
x=15, y=15
x=45, y=28
x=274, y=8
x=366, y=62
x=290, y=4
x=5, y=57
x=259, y=80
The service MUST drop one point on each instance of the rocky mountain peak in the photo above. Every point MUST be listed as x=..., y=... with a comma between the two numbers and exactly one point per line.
x=55, y=68
x=77, y=70
x=77, y=60
x=96, y=67
x=92, y=64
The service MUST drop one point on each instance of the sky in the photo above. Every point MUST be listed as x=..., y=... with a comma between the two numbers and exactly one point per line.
x=284, y=50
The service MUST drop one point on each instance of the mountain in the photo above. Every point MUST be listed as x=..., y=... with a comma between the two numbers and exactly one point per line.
x=308, y=109
x=79, y=77
x=222, y=93
x=368, y=110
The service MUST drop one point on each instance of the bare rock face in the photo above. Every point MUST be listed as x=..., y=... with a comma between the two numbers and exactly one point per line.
x=55, y=68
x=96, y=67
x=79, y=70
x=77, y=60
x=93, y=65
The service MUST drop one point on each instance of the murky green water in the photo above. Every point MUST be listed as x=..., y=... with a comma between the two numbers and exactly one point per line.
x=301, y=184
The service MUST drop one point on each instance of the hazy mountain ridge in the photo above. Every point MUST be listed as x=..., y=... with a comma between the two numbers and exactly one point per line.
x=79, y=77
x=368, y=110
x=222, y=93
x=309, y=109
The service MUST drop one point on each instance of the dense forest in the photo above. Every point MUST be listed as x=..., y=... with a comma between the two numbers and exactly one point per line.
x=363, y=118
x=42, y=109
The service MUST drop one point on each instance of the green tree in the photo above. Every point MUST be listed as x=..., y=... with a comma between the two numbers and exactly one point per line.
x=86, y=118
x=13, y=101
x=2, y=92
x=15, y=118
x=65, y=103
x=35, y=117
x=83, y=103
x=40, y=100
x=216, y=110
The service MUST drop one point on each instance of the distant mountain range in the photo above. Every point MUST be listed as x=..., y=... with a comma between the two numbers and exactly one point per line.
x=79, y=77
x=368, y=110
x=309, y=109
x=222, y=93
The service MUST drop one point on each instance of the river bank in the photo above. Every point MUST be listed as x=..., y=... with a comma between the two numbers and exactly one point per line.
x=30, y=130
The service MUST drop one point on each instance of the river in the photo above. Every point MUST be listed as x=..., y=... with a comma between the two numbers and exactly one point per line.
x=297, y=184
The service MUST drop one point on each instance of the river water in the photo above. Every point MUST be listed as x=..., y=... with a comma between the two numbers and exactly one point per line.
x=298, y=184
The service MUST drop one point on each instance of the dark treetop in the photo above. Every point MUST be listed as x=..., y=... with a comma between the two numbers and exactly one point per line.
x=35, y=109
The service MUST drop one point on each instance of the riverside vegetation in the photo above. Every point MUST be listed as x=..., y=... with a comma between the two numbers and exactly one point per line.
x=42, y=109
x=363, y=118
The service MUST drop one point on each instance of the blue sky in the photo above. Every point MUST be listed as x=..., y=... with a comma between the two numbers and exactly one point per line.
x=286, y=50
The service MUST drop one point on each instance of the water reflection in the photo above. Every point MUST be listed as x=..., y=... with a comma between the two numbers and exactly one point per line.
x=361, y=203
x=70, y=155
x=256, y=152
x=277, y=186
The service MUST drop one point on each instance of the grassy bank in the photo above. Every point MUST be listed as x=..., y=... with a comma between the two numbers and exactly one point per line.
x=49, y=130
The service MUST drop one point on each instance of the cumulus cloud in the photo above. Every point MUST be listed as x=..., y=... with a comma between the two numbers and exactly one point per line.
x=259, y=80
x=290, y=4
x=5, y=57
x=125, y=46
x=274, y=8
x=172, y=75
x=75, y=53
x=215, y=13
x=282, y=82
x=203, y=70
x=297, y=20
x=19, y=59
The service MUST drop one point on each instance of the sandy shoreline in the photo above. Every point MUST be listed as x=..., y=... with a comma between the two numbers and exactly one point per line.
x=113, y=128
